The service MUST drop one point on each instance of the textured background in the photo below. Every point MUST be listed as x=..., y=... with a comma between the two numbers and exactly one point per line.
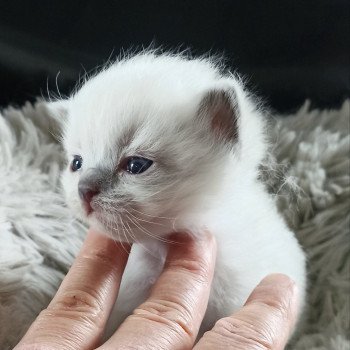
x=288, y=50
x=310, y=178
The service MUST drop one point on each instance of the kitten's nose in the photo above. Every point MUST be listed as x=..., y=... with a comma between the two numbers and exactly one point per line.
x=87, y=191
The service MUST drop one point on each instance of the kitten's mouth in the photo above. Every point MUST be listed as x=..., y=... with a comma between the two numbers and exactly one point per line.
x=93, y=210
x=87, y=207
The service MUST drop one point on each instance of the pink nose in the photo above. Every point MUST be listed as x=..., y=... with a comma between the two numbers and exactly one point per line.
x=86, y=193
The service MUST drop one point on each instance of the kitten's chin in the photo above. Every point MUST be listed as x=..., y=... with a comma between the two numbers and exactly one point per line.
x=95, y=224
x=135, y=231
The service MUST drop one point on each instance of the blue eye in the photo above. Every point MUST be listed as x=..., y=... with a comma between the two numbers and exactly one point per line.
x=137, y=165
x=77, y=163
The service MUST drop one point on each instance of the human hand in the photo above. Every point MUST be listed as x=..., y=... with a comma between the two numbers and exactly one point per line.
x=171, y=317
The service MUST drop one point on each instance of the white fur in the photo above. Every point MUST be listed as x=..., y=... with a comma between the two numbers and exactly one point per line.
x=198, y=183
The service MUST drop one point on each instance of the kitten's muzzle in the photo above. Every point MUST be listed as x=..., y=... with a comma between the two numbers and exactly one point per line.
x=87, y=190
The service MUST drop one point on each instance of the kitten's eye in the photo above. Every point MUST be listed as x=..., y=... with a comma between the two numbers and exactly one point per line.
x=137, y=165
x=76, y=164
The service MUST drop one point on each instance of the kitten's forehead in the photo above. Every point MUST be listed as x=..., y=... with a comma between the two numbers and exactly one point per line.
x=146, y=96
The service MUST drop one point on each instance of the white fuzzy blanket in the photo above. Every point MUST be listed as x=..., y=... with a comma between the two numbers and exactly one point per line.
x=39, y=238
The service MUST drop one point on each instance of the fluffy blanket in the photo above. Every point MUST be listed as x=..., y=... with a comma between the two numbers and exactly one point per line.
x=308, y=173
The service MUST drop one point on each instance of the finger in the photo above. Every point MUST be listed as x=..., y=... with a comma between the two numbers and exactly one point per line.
x=265, y=322
x=171, y=316
x=76, y=316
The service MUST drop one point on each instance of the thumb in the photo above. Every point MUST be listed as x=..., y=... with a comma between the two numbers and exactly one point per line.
x=266, y=321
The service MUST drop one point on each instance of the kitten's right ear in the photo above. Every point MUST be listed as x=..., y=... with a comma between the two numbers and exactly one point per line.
x=219, y=110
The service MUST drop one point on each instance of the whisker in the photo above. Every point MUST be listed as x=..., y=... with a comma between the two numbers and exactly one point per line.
x=112, y=227
x=125, y=231
x=133, y=221
x=148, y=233
x=58, y=90
x=162, y=189
x=140, y=243
x=151, y=216
x=150, y=222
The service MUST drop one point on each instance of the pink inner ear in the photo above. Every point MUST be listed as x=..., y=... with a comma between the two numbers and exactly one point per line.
x=223, y=115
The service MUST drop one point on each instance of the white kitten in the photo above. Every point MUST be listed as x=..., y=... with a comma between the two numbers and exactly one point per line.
x=158, y=143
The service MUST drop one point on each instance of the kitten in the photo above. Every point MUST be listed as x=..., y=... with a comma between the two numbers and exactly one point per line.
x=158, y=143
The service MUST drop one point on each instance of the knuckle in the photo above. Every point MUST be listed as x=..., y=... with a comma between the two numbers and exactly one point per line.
x=244, y=333
x=77, y=304
x=79, y=300
x=198, y=267
x=172, y=315
x=278, y=307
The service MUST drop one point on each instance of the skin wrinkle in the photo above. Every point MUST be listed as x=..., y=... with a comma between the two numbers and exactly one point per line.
x=232, y=328
x=195, y=269
x=79, y=302
x=219, y=341
x=181, y=301
x=170, y=313
x=171, y=319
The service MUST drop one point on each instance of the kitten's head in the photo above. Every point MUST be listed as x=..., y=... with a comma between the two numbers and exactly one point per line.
x=150, y=139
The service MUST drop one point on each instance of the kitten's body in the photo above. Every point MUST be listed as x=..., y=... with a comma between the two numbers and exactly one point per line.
x=251, y=245
x=206, y=139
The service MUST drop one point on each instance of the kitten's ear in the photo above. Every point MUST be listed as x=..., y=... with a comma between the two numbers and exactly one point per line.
x=220, y=106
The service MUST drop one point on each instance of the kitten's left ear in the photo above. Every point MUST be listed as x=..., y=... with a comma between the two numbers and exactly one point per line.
x=221, y=108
